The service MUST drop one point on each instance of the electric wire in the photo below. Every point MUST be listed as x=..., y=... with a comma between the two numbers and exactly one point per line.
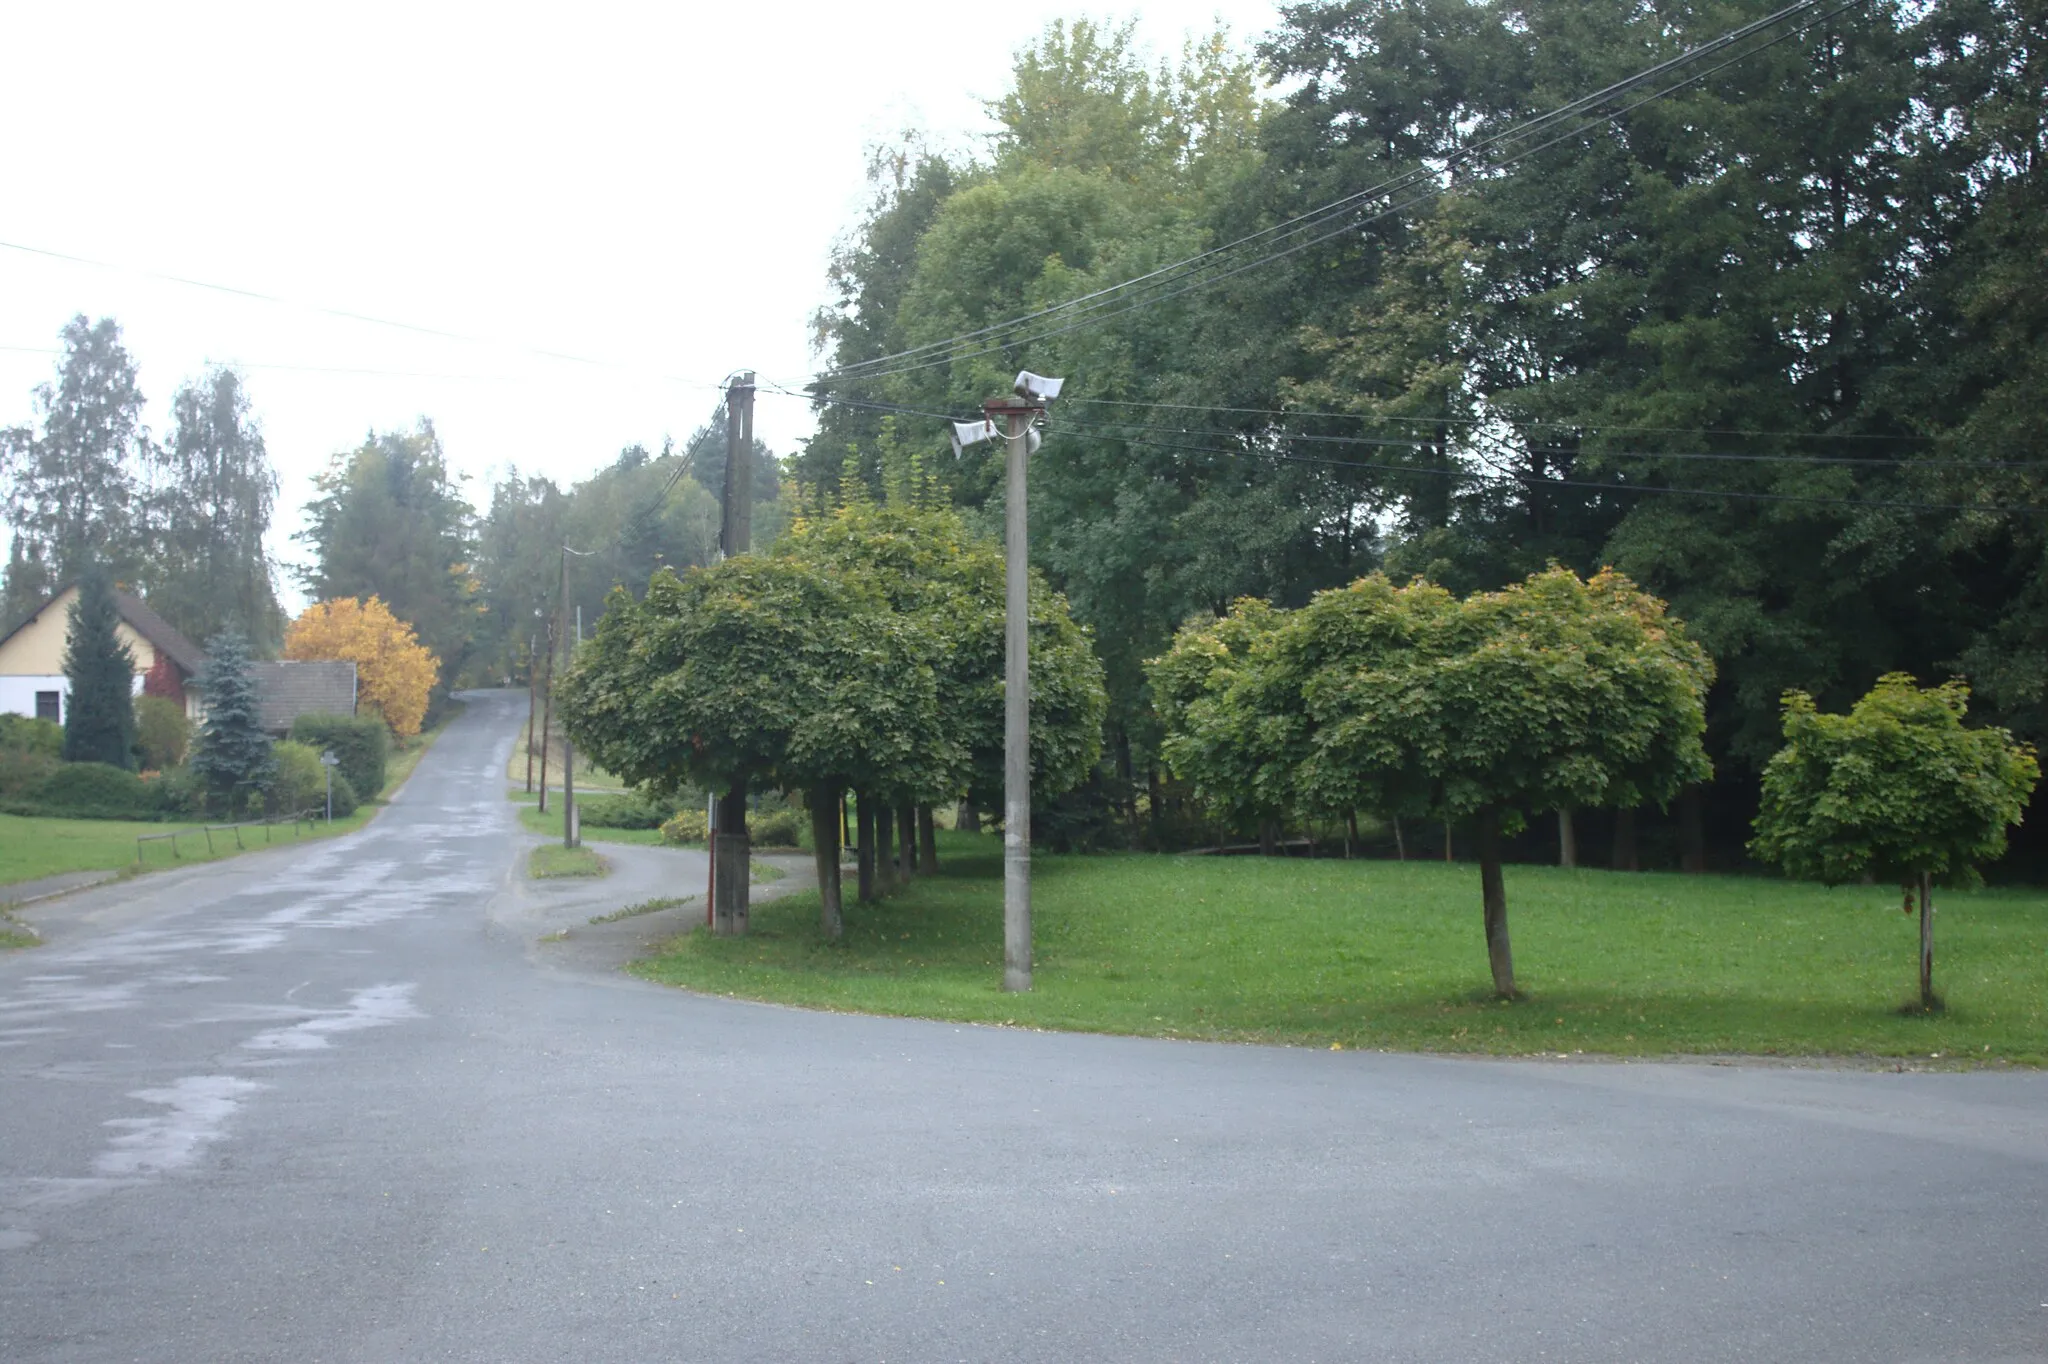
x=1088, y=303
x=1537, y=483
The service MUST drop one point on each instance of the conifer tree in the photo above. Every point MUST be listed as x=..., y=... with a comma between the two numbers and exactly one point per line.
x=99, y=715
x=233, y=755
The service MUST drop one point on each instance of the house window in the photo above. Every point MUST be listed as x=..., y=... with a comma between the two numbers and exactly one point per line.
x=49, y=705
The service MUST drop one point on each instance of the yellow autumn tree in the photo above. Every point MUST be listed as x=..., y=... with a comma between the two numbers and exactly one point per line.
x=394, y=671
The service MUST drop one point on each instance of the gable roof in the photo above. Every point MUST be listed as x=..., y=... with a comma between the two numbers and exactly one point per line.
x=162, y=635
x=287, y=689
x=189, y=657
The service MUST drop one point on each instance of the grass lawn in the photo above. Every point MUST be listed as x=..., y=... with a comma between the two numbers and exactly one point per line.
x=553, y=860
x=32, y=847
x=1387, y=954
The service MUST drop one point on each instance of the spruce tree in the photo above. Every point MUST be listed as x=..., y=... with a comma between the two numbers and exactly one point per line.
x=232, y=756
x=99, y=715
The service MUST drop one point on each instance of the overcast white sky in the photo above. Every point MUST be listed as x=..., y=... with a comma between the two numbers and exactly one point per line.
x=653, y=187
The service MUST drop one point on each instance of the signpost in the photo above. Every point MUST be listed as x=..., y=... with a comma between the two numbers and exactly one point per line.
x=328, y=762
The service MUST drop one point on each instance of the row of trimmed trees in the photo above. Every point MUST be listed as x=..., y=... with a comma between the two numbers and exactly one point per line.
x=864, y=653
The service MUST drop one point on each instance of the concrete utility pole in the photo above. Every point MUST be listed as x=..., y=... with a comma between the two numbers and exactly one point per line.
x=731, y=870
x=532, y=707
x=1016, y=694
x=736, y=521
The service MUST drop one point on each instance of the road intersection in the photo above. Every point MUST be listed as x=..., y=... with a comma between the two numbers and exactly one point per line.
x=340, y=1103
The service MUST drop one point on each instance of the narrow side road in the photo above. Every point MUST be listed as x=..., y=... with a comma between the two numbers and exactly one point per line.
x=337, y=1104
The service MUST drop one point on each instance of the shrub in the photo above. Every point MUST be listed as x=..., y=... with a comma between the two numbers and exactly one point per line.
x=22, y=771
x=621, y=812
x=777, y=828
x=685, y=827
x=177, y=792
x=361, y=742
x=161, y=732
x=20, y=734
x=299, y=782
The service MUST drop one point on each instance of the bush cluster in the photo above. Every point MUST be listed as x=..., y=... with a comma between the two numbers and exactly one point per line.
x=20, y=734
x=621, y=812
x=685, y=827
x=300, y=783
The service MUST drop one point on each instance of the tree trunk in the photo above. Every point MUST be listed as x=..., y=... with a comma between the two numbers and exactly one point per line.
x=1625, y=841
x=906, y=834
x=1927, y=999
x=1156, y=790
x=1269, y=838
x=885, y=847
x=1350, y=832
x=927, y=841
x=864, y=851
x=825, y=856
x=1493, y=891
x=1447, y=842
x=1692, y=835
x=968, y=817
x=1400, y=842
x=732, y=872
x=1130, y=784
x=1567, y=840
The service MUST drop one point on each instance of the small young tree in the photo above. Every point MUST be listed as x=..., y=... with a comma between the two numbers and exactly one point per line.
x=1235, y=727
x=1897, y=789
x=232, y=753
x=99, y=713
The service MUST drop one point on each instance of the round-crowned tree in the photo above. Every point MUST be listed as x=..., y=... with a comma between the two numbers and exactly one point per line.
x=1897, y=789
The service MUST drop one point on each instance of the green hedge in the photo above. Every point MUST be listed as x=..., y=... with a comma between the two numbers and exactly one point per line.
x=361, y=742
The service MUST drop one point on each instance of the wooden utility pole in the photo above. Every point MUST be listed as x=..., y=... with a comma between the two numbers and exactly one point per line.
x=547, y=717
x=730, y=847
x=1016, y=696
x=572, y=836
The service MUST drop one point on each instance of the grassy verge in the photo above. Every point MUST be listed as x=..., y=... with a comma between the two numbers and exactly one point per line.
x=551, y=860
x=1381, y=954
x=13, y=934
x=32, y=846
x=588, y=776
x=550, y=825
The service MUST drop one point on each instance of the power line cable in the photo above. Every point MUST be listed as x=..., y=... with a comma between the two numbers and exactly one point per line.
x=863, y=370
x=1536, y=483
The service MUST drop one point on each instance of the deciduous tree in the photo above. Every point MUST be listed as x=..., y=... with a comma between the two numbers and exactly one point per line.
x=394, y=671
x=1896, y=789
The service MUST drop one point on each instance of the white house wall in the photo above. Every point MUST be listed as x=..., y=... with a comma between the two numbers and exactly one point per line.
x=18, y=693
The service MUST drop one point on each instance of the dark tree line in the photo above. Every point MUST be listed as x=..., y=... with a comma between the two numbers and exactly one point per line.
x=1771, y=344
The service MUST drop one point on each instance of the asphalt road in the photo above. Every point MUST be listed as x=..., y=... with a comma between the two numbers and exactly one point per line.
x=336, y=1104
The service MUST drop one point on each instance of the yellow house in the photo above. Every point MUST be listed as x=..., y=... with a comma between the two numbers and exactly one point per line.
x=32, y=678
